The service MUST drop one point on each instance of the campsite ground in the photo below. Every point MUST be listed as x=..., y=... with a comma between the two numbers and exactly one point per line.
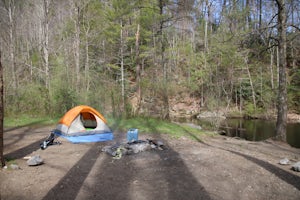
x=211, y=168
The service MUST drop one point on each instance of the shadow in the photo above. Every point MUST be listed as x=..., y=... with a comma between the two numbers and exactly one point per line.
x=280, y=173
x=151, y=174
x=16, y=138
x=182, y=183
x=33, y=124
x=193, y=135
x=69, y=186
x=20, y=153
x=110, y=182
x=272, y=141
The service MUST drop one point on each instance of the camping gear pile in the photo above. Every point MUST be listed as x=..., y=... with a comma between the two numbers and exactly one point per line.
x=49, y=141
x=132, y=147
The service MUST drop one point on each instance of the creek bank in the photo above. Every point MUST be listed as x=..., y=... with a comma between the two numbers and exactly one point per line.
x=220, y=114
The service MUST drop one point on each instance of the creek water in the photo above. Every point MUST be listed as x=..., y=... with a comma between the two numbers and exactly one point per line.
x=256, y=130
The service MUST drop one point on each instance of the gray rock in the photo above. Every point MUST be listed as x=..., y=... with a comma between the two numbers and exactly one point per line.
x=296, y=167
x=193, y=126
x=208, y=114
x=284, y=161
x=35, y=160
x=14, y=166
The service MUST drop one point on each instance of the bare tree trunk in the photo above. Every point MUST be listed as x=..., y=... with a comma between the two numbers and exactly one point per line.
x=205, y=36
x=260, y=15
x=271, y=67
x=138, y=67
x=122, y=67
x=2, y=160
x=77, y=45
x=251, y=84
x=46, y=43
x=208, y=26
x=87, y=65
x=282, y=90
x=241, y=96
x=165, y=95
x=277, y=64
x=223, y=12
x=248, y=15
x=293, y=49
x=11, y=8
x=87, y=60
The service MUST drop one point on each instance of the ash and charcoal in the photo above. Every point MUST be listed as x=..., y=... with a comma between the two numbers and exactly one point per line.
x=117, y=150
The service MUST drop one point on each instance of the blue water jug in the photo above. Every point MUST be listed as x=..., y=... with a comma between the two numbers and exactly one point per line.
x=132, y=135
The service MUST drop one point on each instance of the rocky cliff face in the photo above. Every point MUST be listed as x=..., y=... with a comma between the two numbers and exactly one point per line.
x=184, y=107
x=180, y=106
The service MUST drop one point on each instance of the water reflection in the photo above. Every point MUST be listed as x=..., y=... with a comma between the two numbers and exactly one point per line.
x=250, y=129
x=293, y=134
x=257, y=130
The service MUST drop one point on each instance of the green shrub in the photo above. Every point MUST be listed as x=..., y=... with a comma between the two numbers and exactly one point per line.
x=65, y=99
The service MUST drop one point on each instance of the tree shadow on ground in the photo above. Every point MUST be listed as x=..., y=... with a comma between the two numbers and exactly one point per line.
x=183, y=185
x=69, y=186
x=24, y=151
x=17, y=138
x=13, y=139
x=280, y=173
x=152, y=174
x=33, y=124
x=279, y=145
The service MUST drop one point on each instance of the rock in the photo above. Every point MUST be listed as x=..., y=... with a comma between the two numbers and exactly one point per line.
x=193, y=126
x=35, y=160
x=214, y=115
x=296, y=167
x=284, y=161
x=14, y=166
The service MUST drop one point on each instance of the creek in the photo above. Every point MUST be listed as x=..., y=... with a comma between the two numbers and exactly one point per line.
x=256, y=130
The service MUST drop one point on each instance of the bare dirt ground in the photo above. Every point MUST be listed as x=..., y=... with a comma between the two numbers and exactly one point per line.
x=211, y=168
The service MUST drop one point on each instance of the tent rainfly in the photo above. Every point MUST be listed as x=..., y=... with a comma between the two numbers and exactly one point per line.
x=83, y=124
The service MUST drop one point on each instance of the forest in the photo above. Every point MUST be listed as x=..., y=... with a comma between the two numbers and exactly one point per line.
x=146, y=58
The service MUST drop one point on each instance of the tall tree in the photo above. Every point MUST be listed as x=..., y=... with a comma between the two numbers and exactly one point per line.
x=282, y=90
x=138, y=67
x=11, y=16
x=1, y=114
x=162, y=40
x=248, y=14
x=77, y=41
x=122, y=45
x=260, y=14
x=46, y=42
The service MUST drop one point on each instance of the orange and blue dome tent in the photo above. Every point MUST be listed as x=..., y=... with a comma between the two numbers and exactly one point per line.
x=83, y=124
